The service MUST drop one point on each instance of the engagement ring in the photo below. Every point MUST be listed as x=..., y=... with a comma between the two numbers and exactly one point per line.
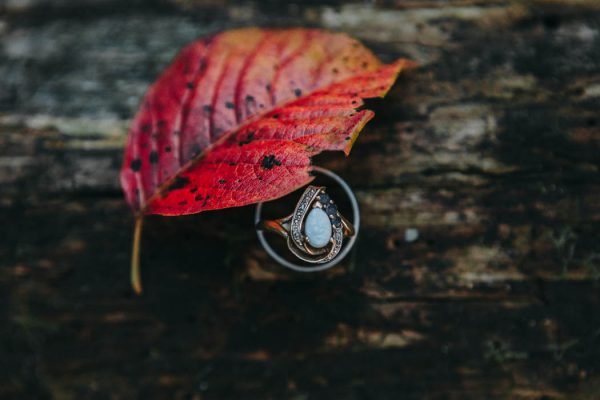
x=316, y=230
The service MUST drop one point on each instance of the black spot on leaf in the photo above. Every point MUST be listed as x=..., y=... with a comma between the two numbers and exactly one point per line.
x=153, y=157
x=195, y=150
x=222, y=181
x=189, y=85
x=248, y=139
x=179, y=183
x=229, y=105
x=269, y=162
x=136, y=164
x=298, y=92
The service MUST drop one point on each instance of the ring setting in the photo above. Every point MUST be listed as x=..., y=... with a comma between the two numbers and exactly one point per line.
x=315, y=231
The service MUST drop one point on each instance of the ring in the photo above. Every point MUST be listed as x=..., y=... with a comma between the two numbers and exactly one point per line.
x=316, y=230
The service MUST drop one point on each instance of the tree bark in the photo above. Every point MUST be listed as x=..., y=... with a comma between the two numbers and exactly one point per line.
x=476, y=273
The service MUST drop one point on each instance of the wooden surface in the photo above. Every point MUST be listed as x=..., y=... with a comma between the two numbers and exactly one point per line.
x=490, y=152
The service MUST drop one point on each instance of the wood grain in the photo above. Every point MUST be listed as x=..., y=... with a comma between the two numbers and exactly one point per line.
x=489, y=152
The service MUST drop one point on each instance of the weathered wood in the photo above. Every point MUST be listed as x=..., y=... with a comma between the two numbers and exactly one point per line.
x=490, y=152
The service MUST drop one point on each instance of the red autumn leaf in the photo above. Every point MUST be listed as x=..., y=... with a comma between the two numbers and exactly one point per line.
x=236, y=118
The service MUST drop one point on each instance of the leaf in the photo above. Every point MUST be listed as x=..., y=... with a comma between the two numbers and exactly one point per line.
x=236, y=118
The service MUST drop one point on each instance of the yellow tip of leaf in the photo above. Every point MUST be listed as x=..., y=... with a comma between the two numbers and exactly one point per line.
x=396, y=68
x=354, y=135
x=407, y=64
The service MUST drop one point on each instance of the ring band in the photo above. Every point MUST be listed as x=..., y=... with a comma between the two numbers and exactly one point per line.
x=316, y=230
x=281, y=226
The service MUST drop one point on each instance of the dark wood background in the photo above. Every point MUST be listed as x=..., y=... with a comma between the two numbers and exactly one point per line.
x=490, y=151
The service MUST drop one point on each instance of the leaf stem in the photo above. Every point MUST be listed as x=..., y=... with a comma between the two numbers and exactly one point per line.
x=136, y=281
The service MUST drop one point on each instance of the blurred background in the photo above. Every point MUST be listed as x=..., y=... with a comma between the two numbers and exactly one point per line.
x=476, y=275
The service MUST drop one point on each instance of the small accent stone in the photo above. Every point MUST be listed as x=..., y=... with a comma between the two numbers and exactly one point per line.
x=317, y=228
x=324, y=198
x=331, y=209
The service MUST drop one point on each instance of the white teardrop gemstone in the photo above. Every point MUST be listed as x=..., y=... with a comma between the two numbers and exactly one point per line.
x=317, y=228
